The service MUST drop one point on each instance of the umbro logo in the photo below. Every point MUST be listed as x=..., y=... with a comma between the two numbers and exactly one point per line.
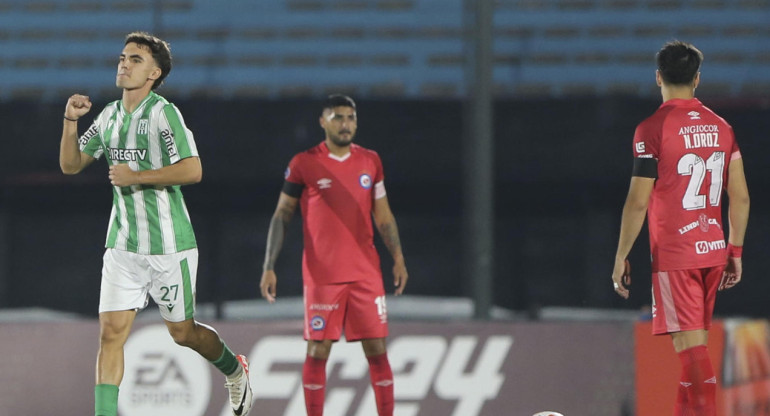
x=324, y=183
x=694, y=115
x=384, y=383
x=712, y=380
x=313, y=386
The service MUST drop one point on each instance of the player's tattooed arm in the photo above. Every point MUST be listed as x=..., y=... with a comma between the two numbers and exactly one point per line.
x=278, y=225
x=389, y=233
x=388, y=229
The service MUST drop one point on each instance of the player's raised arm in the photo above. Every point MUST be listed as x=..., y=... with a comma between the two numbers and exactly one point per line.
x=278, y=225
x=388, y=229
x=71, y=159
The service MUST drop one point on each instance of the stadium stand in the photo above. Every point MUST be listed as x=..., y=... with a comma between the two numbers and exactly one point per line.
x=409, y=48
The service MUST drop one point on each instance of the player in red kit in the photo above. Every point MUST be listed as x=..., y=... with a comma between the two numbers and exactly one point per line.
x=340, y=188
x=685, y=157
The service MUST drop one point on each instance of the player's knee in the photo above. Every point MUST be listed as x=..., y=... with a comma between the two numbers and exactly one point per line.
x=373, y=347
x=319, y=349
x=182, y=336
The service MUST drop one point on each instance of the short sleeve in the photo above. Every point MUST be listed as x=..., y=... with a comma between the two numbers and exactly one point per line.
x=735, y=152
x=379, y=176
x=90, y=142
x=646, y=150
x=178, y=141
x=294, y=182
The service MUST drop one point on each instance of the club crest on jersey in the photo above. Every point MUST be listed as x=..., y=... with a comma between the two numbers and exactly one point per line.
x=365, y=181
x=142, y=127
x=703, y=223
x=317, y=323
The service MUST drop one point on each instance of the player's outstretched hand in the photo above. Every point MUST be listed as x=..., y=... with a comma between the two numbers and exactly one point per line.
x=621, y=277
x=400, y=276
x=732, y=274
x=77, y=106
x=267, y=285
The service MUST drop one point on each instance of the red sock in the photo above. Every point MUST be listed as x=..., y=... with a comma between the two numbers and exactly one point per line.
x=699, y=382
x=680, y=408
x=382, y=382
x=314, y=385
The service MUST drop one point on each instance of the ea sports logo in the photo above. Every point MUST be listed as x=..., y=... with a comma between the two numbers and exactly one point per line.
x=701, y=247
x=317, y=323
x=365, y=181
x=162, y=377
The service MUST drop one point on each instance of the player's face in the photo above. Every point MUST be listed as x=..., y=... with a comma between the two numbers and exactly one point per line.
x=340, y=125
x=136, y=67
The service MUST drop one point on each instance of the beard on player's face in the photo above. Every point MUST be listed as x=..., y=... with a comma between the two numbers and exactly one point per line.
x=339, y=140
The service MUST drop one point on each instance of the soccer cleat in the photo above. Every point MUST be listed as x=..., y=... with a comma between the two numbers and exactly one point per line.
x=240, y=390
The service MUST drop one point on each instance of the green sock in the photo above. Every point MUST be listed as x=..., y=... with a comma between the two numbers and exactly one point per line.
x=226, y=363
x=106, y=396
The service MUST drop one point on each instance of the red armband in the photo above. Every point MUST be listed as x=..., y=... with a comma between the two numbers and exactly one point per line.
x=734, y=251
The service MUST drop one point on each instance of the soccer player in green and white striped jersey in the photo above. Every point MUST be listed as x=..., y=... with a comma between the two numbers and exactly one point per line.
x=150, y=248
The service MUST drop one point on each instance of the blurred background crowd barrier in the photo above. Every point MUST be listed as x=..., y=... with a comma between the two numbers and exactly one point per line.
x=570, y=81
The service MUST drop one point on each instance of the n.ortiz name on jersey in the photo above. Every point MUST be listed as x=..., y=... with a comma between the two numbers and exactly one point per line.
x=700, y=136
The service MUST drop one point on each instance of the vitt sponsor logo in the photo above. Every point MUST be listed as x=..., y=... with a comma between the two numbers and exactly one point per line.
x=703, y=247
x=162, y=377
x=457, y=374
x=640, y=147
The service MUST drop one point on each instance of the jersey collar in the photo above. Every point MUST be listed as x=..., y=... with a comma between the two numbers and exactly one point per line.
x=681, y=102
x=139, y=108
x=332, y=156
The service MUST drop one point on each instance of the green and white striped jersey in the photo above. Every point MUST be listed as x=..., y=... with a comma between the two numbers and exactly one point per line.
x=145, y=219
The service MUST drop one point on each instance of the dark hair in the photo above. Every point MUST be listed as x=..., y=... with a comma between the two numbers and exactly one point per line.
x=338, y=100
x=159, y=49
x=678, y=62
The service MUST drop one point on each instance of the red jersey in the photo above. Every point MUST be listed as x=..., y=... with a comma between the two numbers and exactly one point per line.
x=693, y=148
x=336, y=200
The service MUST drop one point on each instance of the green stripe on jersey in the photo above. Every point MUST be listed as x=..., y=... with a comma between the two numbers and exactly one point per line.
x=145, y=219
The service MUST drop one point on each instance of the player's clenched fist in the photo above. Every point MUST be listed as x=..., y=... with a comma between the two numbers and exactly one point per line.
x=77, y=106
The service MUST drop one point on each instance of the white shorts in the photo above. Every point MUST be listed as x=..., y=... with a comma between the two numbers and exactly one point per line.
x=129, y=279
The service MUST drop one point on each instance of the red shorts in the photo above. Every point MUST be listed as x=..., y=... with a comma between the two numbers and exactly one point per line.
x=683, y=300
x=358, y=307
